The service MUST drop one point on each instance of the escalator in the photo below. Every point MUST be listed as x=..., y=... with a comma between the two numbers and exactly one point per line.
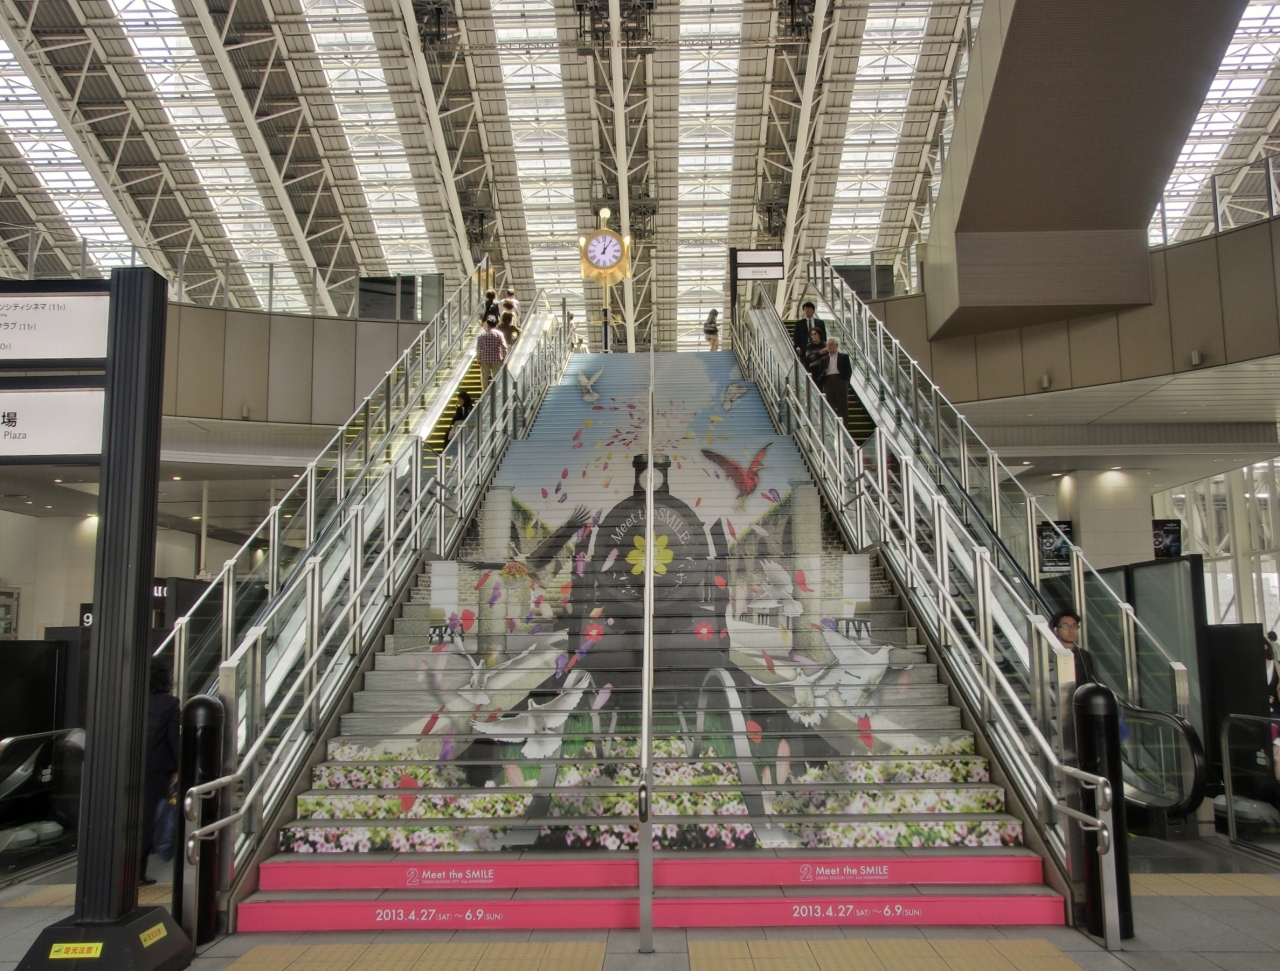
x=954, y=501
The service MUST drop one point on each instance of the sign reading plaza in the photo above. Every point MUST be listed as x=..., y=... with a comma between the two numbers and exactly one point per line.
x=53, y=326
x=51, y=422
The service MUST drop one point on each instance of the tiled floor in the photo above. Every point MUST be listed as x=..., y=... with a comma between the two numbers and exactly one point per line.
x=1198, y=906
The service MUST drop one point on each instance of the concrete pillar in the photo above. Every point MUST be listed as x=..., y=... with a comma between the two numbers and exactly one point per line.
x=1110, y=513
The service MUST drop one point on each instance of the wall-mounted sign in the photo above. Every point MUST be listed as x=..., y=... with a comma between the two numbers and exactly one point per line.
x=1055, y=546
x=758, y=264
x=1166, y=538
x=53, y=326
x=51, y=422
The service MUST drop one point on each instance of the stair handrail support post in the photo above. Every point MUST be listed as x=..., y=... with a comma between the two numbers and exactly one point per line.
x=982, y=598
x=645, y=835
x=1128, y=627
x=228, y=578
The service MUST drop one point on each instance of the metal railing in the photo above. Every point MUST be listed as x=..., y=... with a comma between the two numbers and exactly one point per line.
x=398, y=412
x=943, y=459
x=234, y=283
x=292, y=667
x=922, y=541
x=1235, y=197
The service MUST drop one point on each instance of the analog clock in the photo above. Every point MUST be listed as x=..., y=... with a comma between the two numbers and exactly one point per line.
x=604, y=250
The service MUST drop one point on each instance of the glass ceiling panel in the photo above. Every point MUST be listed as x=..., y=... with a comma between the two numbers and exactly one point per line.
x=37, y=137
x=525, y=31
x=709, y=49
x=160, y=43
x=1254, y=53
x=344, y=44
x=891, y=45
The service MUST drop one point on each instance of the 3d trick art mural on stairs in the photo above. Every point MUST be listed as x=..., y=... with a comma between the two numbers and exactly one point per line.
x=767, y=668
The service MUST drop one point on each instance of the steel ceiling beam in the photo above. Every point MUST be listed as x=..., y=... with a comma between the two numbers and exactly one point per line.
x=275, y=180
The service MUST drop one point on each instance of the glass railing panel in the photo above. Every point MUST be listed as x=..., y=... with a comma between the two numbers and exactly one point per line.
x=1167, y=630
x=1249, y=811
x=39, y=798
x=1104, y=632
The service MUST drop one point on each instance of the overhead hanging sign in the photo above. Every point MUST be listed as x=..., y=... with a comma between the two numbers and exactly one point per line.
x=759, y=264
x=44, y=423
x=53, y=326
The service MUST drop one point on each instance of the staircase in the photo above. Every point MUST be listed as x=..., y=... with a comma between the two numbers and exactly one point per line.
x=809, y=768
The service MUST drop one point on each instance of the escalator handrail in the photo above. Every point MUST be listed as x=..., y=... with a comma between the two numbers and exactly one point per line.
x=907, y=418
x=1193, y=756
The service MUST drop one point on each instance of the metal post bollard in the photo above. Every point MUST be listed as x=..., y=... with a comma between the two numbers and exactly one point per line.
x=1108, y=905
x=195, y=886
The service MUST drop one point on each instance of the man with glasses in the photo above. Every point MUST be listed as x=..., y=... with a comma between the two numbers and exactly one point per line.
x=1066, y=625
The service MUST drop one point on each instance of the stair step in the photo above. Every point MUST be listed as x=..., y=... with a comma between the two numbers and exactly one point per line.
x=674, y=832
x=886, y=868
x=869, y=770
x=602, y=910
x=821, y=800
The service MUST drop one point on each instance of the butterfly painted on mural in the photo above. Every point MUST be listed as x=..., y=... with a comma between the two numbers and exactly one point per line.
x=744, y=480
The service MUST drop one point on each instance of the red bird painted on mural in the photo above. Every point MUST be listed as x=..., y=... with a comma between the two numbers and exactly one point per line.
x=745, y=480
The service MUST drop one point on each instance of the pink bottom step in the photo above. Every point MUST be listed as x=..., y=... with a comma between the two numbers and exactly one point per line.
x=601, y=913
x=622, y=872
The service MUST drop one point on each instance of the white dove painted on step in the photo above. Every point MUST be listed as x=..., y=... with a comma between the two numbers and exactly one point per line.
x=587, y=384
x=540, y=726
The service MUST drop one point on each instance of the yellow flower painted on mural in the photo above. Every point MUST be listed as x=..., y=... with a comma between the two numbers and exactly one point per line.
x=661, y=555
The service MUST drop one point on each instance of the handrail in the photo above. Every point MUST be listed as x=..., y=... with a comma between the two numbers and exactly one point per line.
x=6, y=742
x=1193, y=765
x=332, y=607
x=645, y=835
x=1035, y=748
x=355, y=454
x=905, y=402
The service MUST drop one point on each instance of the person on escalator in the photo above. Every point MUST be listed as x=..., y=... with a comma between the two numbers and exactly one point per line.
x=815, y=354
x=833, y=371
x=807, y=323
x=491, y=351
x=1066, y=625
x=490, y=308
x=507, y=324
x=460, y=414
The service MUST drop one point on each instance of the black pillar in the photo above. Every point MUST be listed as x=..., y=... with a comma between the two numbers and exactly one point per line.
x=108, y=923
x=111, y=802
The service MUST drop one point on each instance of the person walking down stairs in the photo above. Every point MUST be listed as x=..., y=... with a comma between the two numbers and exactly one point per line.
x=833, y=372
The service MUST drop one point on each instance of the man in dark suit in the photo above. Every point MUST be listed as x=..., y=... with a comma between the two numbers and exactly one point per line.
x=832, y=373
x=808, y=321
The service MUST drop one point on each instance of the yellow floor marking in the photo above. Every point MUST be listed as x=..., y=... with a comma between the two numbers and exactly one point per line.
x=719, y=956
x=971, y=955
x=522, y=956
x=1158, y=885
x=1211, y=884
x=52, y=895
x=1257, y=884
x=330, y=957
x=1034, y=954
x=573, y=956
x=845, y=956
x=389, y=957
x=269, y=957
x=64, y=895
x=782, y=956
x=899, y=954
x=450, y=957
x=1204, y=885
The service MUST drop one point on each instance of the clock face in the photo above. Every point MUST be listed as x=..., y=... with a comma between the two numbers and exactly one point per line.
x=603, y=251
